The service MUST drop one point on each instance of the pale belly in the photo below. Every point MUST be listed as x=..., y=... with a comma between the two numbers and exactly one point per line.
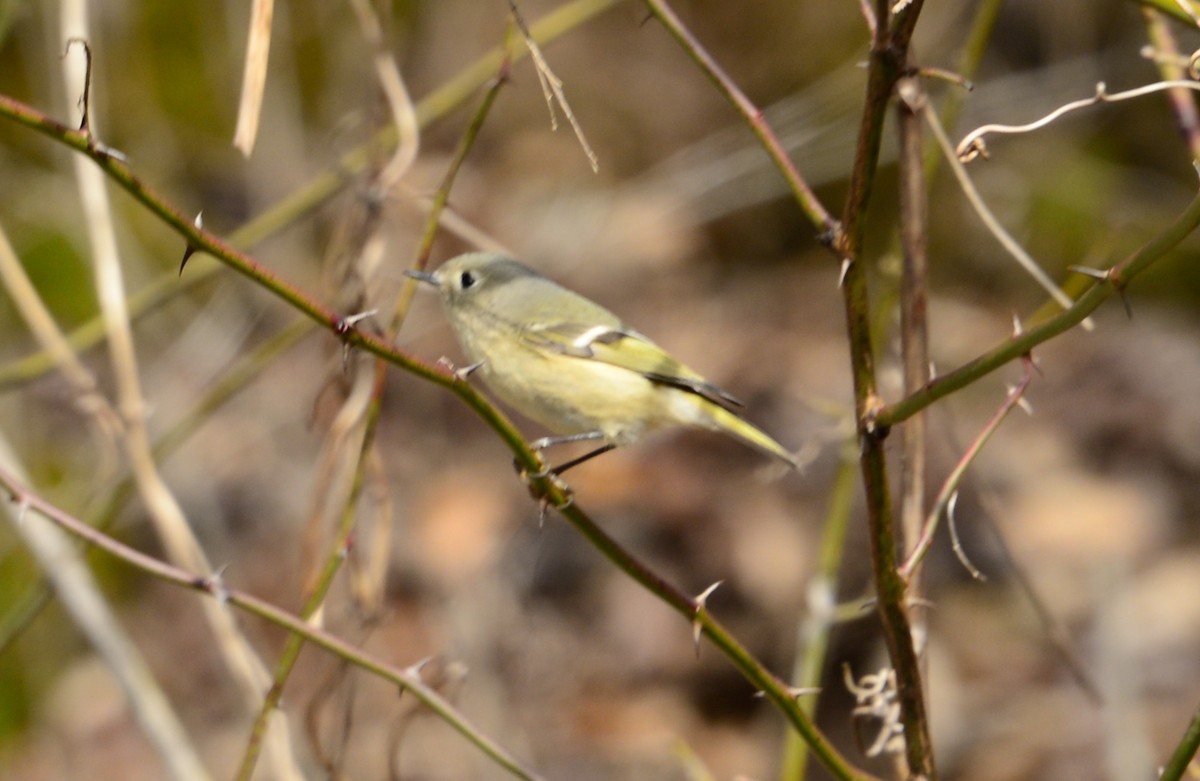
x=571, y=395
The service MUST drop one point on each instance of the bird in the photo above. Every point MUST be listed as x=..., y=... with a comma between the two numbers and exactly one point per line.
x=571, y=365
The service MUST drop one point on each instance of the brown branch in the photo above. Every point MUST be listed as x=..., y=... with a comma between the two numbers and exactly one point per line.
x=407, y=678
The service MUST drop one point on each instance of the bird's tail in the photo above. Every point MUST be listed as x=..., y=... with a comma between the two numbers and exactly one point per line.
x=720, y=419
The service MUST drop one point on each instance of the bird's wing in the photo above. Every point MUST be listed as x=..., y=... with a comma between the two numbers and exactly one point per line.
x=627, y=349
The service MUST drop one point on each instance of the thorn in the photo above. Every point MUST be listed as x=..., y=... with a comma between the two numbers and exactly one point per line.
x=215, y=584
x=344, y=325
x=22, y=509
x=1125, y=302
x=1094, y=273
x=544, y=499
x=700, y=604
x=104, y=150
x=1025, y=406
x=1107, y=276
x=462, y=374
x=191, y=248
x=956, y=79
x=459, y=374
x=795, y=692
x=415, y=669
x=843, y=272
x=1017, y=328
x=543, y=505
x=188, y=251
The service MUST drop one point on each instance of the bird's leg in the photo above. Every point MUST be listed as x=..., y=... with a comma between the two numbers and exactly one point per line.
x=558, y=470
x=547, y=442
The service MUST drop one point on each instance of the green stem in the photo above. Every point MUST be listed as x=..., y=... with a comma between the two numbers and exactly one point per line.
x=886, y=65
x=409, y=679
x=341, y=539
x=822, y=613
x=1172, y=9
x=1185, y=752
x=1023, y=343
x=691, y=609
x=308, y=197
x=808, y=201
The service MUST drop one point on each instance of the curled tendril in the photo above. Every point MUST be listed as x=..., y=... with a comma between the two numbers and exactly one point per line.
x=972, y=145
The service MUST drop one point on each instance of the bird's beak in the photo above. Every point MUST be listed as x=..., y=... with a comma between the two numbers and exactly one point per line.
x=421, y=276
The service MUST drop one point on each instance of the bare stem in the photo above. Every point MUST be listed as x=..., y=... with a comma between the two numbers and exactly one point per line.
x=887, y=64
x=776, y=690
x=345, y=528
x=322, y=187
x=1185, y=752
x=952, y=482
x=821, y=219
x=1171, y=67
x=1014, y=347
x=408, y=678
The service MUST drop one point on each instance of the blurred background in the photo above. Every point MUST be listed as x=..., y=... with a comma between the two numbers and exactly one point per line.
x=1077, y=658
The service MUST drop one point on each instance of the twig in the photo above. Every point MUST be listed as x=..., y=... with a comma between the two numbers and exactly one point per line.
x=973, y=146
x=553, y=494
x=552, y=87
x=200, y=238
x=914, y=301
x=24, y=607
x=309, y=196
x=44, y=328
x=211, y=586
x=888, y=62
x=84, y=600
x=169, y=521
x=1185, y=752
x=1114, y=280
x=949, y=489
x=356, y=423
x=441, y=198
x=956, y=545
x=812, y=207
x=989, y=220
x=1181, y=10
x=1171, y=67
x=812, y=640
x=774, y=689
x=404, y=114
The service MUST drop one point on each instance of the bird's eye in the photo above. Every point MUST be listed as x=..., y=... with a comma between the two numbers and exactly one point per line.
x=466, y=280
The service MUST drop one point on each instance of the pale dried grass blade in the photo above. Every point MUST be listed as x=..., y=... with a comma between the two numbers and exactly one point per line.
x=254, y=76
